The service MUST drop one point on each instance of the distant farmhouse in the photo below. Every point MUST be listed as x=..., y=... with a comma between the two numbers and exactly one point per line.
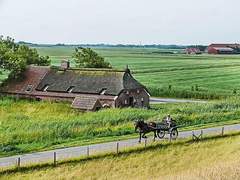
x=86, y=89
x=193, y=51
x=223, y=49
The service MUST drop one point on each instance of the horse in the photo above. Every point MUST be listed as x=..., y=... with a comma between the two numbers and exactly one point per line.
x=145, y=128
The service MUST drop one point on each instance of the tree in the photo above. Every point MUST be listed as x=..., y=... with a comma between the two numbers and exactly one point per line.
x=15, y=58
x=87, y=58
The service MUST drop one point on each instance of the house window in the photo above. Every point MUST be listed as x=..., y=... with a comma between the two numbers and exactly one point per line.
x=127, y=92
x=29, y=88
x=138, y=91
x=103, y=91
x=126, y=102
x=45, y=88
x=70, y=89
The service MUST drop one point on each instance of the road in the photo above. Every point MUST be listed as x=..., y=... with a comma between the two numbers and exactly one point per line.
x=75, y=152
x=154, y=100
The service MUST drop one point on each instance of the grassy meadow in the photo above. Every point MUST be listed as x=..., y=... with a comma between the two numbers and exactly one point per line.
x=27, y=126
x=214, y=158
x=170, y=75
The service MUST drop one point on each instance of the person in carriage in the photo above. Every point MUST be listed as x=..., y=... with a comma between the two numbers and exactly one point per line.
x=168, y=120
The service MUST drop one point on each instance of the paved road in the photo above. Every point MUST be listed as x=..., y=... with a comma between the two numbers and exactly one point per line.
x=170, y=100
x=74, y=152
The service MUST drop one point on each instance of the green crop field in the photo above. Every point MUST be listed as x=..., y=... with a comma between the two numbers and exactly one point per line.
x=177, y=75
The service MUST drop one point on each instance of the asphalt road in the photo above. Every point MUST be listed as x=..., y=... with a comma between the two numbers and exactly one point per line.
x=75, y=152
x=171, y=100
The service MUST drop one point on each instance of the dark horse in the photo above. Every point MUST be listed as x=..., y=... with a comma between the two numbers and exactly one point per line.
x=145, y=128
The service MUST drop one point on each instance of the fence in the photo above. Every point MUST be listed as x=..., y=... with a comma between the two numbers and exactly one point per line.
x=86, y=151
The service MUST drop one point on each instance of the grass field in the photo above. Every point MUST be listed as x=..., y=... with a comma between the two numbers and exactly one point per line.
x=166, y=75
x=216, y=158
x=215, y=76
x=27, y=126
x=177, y=75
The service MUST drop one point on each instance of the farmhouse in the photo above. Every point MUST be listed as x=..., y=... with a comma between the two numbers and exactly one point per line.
x=223, y=49
x=86, y=89
x=193, y=51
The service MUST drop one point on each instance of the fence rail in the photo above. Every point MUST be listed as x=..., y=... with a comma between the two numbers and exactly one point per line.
x=86, y=151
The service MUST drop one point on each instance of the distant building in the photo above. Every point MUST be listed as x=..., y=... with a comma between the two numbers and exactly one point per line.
x=223, y=49
x=86, y=89
x=193, y=51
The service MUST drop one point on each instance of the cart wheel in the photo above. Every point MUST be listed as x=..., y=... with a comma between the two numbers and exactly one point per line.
x=174, y=134
x=160, y=134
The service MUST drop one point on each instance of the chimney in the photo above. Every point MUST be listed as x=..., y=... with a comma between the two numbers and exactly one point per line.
x=65, y=64
x=127, y=70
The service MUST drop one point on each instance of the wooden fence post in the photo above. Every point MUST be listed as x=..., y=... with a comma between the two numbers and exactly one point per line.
x=223, y=131
x=201, y=134
x=193, y=135
x=88, y=151
x=54, y=158
x=145, y=143
x=18, y=162
x=117, y=147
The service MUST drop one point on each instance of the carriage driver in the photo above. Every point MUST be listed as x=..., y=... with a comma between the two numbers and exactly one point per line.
x=168, y=120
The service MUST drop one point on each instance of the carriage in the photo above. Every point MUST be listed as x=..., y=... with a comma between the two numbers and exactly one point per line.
x=160, y=129
x=164, y=128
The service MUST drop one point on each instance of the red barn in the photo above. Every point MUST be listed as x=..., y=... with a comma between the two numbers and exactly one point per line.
x=223, y=48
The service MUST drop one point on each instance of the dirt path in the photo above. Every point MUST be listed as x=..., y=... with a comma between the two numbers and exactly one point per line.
x=154, y=100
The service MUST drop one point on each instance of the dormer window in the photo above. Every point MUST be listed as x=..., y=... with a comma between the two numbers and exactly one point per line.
x=70, y=89
x=45, y=88
x=29, y=88
x=103, y=91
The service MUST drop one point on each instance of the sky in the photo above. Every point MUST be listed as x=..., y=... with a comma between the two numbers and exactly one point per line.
x=121, y=21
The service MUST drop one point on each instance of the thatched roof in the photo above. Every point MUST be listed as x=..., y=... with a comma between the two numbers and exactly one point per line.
x=91, y=81
x=90, y=103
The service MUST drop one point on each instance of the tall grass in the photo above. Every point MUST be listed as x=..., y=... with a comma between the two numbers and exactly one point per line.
x=28, y=126
x=187, y=93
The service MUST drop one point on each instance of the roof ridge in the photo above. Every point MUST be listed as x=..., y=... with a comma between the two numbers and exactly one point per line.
x=78, y=69
x=93, y=69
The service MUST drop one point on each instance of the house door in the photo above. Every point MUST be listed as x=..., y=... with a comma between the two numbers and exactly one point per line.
x=131, y=101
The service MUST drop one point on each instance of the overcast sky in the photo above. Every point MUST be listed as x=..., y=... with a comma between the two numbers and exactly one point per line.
x=121, y=21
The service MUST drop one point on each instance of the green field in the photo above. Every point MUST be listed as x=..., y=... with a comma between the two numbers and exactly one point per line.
x=215, y=76
x=27, y=126
x=210, y=159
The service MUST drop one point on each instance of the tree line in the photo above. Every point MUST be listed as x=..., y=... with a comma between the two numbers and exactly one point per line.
x=15, y=57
